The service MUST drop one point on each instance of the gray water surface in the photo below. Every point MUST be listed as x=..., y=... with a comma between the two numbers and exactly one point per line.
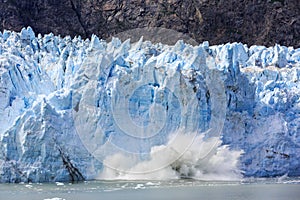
x=144, y=190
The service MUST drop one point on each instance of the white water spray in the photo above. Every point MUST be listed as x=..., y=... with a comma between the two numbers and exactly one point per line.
x=203, y=160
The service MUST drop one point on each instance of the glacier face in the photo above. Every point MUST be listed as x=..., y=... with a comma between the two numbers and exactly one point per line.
x=68, y=105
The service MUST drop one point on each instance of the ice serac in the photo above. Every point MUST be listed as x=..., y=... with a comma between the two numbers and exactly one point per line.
x=59, y=94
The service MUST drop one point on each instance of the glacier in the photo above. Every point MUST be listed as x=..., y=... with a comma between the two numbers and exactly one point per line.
x=75, y=109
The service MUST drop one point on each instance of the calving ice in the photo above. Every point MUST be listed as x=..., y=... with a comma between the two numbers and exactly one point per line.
x=74, y=109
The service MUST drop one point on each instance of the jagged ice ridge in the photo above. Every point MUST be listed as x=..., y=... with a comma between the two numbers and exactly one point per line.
x=51, y=88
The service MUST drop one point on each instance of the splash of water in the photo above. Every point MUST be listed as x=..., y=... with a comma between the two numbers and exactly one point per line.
x=204, y=159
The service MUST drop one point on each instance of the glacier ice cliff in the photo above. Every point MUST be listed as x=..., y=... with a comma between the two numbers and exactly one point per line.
x=68, y=105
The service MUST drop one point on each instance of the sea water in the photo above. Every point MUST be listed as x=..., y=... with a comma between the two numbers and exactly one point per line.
x=254, y=189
